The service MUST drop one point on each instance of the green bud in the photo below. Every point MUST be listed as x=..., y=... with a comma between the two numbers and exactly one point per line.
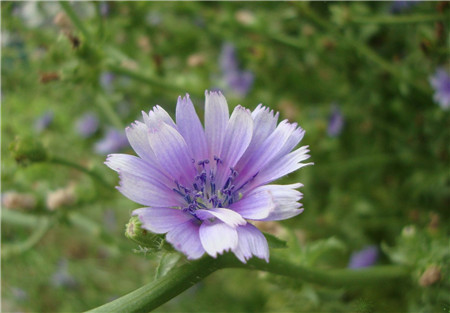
x=26, y=150
x=135, y=232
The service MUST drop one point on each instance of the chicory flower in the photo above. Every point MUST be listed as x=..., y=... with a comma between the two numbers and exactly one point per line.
x=440, y=82
x=364, y=258
x=203, y=185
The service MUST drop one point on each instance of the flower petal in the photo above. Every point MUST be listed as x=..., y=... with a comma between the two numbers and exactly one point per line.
x=137, y=135
x=285, y=198
x=149, y=192
x=256, y=205
x=217, y=237
x=281, y=167
x=251, y=243
x=136, y=166
x=186, y=239
x=191, y=128
x=227, y=216
x=263, y=154
x=172, y=152
x=158, y=113
x=238, y=135
x=161, y=220
x=216, y=119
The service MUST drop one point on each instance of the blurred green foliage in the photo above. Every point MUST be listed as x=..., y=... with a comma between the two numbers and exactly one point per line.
x=383, y=180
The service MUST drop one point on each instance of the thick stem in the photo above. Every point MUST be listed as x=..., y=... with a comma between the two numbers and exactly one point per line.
x=176, y=281
x=162, y=290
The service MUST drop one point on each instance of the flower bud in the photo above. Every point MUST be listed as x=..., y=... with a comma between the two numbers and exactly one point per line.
x=135, y=232
x=26, y=150
x=431, y=275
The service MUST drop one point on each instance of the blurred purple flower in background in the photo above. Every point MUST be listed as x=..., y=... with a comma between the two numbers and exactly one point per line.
x=113, y=141
x=104, y=8
x=238, y=81
x=441, y=84
x=399, y=6
x=61, y=277
x=203, y=186
x=364, y=258
x=87, y=125
x=335, y=122
x=43, y=121
x=106, y=81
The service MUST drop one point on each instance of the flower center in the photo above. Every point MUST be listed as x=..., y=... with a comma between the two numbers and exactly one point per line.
x=204, y=192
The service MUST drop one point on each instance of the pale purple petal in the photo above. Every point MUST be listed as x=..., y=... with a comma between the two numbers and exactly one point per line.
x=138, y=167
x=186, y=239
x=256, y=205
x=172, y=153
x=265, y=153
x=148, y=192
x=285, y=198
x=282, y=166
x=137, y=135
x=191, y=129
x=227, y=216
x=216, y=119
x=158, y=114
x=217, y=237
x=238, y=135
x=251, y=243
x=161, y=220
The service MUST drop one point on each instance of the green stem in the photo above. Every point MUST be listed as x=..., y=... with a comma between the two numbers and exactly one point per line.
x=162, y=290
x=105, y=105
x=401, y=19
x=93, y=174
x=19, y=218
x=75, y=20
x=42, y=227
x=176, y=281
x=150, y=80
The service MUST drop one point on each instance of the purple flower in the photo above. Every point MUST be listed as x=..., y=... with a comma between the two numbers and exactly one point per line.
x=106, y=81
x=61, y=277
x=336, y=121
x=44, y=121
x=398, y=6
x=104, y=8
x=238, y=81
x=202, y=186
x=87, y=125
x=441, y=84
x=364, y=258
x=113, y=141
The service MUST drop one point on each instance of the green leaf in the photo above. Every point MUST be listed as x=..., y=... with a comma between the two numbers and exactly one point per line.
x=274, y=242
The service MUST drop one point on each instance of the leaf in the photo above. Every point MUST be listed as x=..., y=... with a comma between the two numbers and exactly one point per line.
x=167, y=262
x=274, y=242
